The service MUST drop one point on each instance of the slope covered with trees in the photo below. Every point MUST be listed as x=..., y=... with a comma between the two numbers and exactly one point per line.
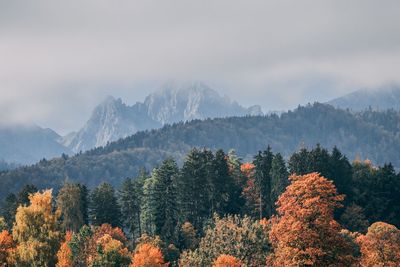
x=354, y=134
x=315, y=209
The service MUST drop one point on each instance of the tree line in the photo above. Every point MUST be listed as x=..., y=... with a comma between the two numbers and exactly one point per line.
x=214, y=210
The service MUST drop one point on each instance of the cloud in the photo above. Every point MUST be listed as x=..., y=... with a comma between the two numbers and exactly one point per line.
x=58, y=59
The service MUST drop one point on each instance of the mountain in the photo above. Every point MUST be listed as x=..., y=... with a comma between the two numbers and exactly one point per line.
x=378, y=99
x=112, y=119
x=304, y=126
x=27, y=144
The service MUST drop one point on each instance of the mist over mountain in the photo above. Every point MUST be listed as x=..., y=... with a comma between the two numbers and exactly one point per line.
x=113, y=119
x=383, y=98
x=27, y=144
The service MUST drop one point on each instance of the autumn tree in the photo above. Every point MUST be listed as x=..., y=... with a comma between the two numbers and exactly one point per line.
x=380, y=246
x=7, y=248
x=305, y=233
x=36, y=231
x=226, y=261
x=72, y=206
x=242, y=238
x=147, y=255
x=64, y=254
x=99, y=246
x=104, y=207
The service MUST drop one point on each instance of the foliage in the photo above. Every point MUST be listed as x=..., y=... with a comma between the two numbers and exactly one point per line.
x=147, y=255
x=7, y=249
x=242, y=238
x=226, y=261
x=305, y=233
x=104, y=206
x=64, y=254
x=72, y=205
x=36, y=231
x=380, y=246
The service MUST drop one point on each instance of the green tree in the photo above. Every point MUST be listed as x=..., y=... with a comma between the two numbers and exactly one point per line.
x=130, y=199
x=263, y=163
x=160, y=196
x=72, y=206
x=104, y=206
x=243, y=238
x=279, y=178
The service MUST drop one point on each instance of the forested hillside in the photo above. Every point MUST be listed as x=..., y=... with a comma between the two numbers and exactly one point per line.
x=216, y=210
x=357, y=136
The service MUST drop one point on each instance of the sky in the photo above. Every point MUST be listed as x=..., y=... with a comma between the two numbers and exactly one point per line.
x=58, y=59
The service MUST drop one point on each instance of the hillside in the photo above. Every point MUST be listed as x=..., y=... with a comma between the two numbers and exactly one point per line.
x=378, y=99
x=305, y=126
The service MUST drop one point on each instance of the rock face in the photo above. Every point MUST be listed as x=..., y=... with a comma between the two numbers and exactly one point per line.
x=379, y=99
x=112, y=119
x=26, y=144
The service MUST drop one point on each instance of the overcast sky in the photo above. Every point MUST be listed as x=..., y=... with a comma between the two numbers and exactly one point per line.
x=58, y=59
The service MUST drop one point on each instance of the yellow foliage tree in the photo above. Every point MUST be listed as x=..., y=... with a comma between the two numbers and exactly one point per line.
x=226, y=261
x=36, y=231
x=380, y=246
x=148, y=255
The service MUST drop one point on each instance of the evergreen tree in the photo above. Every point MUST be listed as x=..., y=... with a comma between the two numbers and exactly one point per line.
x=225, y=193
x=279, y=178
x=160, y=197
x=104, y=206
x=130, y=198
x=193, y=188
x=299, y=162
x=8, y=209
x=263, y=163
x=23, y=195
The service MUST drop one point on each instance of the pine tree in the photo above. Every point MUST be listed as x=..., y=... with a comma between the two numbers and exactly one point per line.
x=104, y=206
x=263, y=163
x=130, y=198
x=279, y=178
x=160, y=197
x=193, y=188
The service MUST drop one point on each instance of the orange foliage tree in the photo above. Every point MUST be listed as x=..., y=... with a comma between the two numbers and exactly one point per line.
x=226, y=261
x=7, y=248
x=148, y=255
x=64, y=254
x=380, y=246
x=305, y=232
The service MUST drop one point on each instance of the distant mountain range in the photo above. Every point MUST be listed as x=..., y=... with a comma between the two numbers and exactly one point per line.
x=27, y=144
x=112, y=120
x=383, y=98
x=368, y=135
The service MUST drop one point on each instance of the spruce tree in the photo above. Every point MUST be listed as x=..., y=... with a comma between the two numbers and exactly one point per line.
x=279, y=178
x=104, y=207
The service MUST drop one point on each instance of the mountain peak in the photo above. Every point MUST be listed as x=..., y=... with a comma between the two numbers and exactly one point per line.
x=173, y=102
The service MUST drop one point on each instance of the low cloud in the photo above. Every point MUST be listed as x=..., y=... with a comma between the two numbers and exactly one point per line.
x=59, y=59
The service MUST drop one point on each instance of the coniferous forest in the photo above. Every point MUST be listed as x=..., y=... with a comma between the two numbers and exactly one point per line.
x=316, y=208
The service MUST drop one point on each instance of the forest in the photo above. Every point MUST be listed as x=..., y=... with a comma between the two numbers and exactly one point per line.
x=372, y=135
x=316, y=208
